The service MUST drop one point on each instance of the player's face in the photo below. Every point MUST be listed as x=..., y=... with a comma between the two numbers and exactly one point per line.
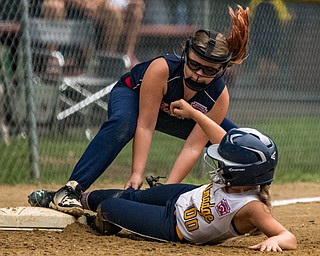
x=197, y=68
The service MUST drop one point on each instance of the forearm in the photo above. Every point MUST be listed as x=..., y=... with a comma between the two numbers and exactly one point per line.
x=183, y=165
x=141, y=147
x=214, y=131
x=188, y=156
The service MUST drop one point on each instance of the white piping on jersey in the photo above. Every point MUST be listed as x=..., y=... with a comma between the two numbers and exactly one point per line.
x=140, y=81
x=209, y=96
x=173, y=78
x=137, y=85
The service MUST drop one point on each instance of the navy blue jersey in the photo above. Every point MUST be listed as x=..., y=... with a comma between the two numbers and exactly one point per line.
x=203, y=100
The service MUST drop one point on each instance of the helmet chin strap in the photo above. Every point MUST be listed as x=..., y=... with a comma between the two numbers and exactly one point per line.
x=194, y=85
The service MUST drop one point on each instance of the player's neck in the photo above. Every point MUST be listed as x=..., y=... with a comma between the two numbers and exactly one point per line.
x=240, y=189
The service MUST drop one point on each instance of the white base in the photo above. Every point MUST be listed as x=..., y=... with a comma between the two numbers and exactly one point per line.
x=30, y=218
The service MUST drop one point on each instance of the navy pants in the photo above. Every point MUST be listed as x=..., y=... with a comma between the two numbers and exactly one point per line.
x=149, y=212
x=114, y=134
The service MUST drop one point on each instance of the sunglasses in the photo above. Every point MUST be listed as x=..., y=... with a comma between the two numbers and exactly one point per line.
x=195, y=66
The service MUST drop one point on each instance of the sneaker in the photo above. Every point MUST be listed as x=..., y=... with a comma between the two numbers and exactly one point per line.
x=41, y=198
x=100, y=224
x=67, y=199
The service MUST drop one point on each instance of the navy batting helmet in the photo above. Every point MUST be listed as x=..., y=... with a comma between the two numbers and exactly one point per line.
x=246, y=157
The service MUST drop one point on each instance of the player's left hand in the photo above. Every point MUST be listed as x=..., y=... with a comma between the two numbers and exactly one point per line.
x=267, y=246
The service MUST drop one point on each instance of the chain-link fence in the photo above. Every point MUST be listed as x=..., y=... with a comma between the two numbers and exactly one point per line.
x=59, y=59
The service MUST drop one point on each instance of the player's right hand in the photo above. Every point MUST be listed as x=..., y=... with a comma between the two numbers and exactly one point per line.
x=181, y=109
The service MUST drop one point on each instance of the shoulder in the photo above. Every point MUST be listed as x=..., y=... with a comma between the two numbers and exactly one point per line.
x=158, y=67
x=253, y=209
x=156, y=76
x=173, y=58
x=256, y=208
x=245, y=219
x=255, y=212
x=175, y=64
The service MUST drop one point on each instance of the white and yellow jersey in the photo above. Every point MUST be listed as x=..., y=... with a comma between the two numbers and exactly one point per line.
x=204, y=215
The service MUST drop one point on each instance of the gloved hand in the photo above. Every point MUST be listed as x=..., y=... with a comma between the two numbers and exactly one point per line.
x=152, y=181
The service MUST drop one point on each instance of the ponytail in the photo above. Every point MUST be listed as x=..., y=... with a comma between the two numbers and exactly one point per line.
x=239, y=36
x=265, y=195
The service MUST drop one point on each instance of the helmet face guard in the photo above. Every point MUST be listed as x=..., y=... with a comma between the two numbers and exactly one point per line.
x=245, y=156
x=216, y=172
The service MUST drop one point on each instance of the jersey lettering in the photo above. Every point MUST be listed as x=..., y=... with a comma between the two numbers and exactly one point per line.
x=205, y=209
x=199, y=107
x=190, y=215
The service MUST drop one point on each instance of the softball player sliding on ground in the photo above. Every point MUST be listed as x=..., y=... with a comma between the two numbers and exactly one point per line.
x=236, y=202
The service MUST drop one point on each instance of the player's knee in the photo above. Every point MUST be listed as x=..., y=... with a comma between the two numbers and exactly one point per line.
x=123, y=124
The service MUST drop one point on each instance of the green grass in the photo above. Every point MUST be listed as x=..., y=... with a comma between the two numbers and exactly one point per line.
x=297, y=140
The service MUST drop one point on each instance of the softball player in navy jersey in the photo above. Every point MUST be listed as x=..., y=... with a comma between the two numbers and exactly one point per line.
x=140, y=103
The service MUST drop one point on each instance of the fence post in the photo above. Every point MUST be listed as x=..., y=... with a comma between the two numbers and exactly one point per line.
x=28, y=73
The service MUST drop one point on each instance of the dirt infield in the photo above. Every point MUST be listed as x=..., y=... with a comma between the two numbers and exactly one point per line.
x=302, y=219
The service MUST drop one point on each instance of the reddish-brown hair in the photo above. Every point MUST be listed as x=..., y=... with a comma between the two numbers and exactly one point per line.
x=239, y=36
